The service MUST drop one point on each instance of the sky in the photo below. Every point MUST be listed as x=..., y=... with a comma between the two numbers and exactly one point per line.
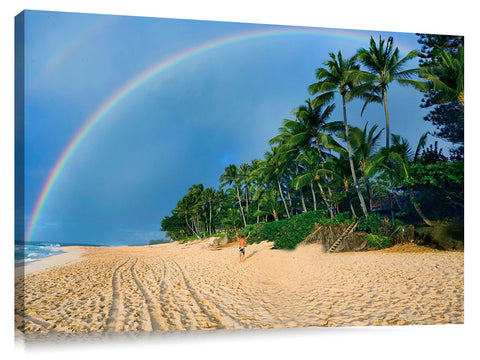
x=168, y=129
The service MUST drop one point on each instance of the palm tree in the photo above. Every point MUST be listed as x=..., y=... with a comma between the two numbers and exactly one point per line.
x=447, y=76
x=400, y=156
x=269, y=205
x=338, y=76
x=340, y=168
x=365, y=143
x=244, y=172
x=313, y=125
x=304, y=177
x=186, y=208
x=208, y=197
x=313, y=128
x=385, y=66
x=398, y=160
x=277, y=165
x=313, y=171
x=224, y=201
x=195, y=193
x=255, y=180
x=232, y=177
x=260, y=177
x=231, y=219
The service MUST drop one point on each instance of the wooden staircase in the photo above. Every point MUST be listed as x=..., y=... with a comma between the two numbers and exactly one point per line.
x=348, y=231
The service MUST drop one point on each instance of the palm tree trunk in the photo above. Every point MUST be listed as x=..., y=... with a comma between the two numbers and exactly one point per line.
x=304, y=207
x=191, y=227
x=246, y=197
x=335, y=211
x=196, y=225
x=330, y=196
x=241, y=207
x=350, y=158
x=401, y=204
x=351, y=207
x=369, y=192
x=283, y=198
x=387, y=119
x=210, y=226
x=314, y=197
x=317, y=144
x=349, y=199
x=301, y=191
x=320, y=186
x=289, y=196
x=275, y=216
x=419, y=211
x=325, y=199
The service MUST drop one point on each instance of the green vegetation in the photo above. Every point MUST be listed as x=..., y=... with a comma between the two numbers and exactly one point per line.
x=287, y=233
x=444, y=236
x=442, y=56
x=328, y=172
x=377, y=241
x=370, y=224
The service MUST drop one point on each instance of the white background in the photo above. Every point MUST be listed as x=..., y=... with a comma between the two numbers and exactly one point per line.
x=416, y=342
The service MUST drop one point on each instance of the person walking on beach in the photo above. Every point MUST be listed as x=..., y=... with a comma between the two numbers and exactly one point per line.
x=242, y=242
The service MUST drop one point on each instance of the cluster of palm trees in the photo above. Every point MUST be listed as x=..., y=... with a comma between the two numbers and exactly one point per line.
x=315, y=163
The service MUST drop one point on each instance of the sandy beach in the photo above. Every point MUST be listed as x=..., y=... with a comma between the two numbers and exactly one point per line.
x=197, y=286
x=69, y=255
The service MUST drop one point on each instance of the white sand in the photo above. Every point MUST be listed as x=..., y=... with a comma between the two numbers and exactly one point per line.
x=70, y=255
x=196, y=286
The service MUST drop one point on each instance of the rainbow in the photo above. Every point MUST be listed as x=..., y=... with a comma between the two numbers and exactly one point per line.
x=66, y=50
x=153, y=71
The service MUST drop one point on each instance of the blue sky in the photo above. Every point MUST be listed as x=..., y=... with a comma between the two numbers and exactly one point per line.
x=180, y=128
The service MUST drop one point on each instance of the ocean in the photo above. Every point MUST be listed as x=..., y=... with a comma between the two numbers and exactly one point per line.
x=25, y=254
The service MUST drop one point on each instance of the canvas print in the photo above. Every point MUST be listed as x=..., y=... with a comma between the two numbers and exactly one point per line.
x=178, y=175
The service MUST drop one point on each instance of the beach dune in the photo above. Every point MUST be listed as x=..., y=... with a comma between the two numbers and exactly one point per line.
x=197, y=286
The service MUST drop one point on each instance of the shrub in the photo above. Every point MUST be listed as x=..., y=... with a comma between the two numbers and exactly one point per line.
x=271, y=230
x=287, y=233
x=378, y=241
x=344, y=218
x=294, y=230
x=255, y=231
x=369, y=224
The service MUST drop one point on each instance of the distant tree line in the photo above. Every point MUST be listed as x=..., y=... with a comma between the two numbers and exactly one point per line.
x=161, y=241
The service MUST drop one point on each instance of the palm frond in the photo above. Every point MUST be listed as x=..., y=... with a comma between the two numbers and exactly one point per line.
x=302, y=180
x=422, y=86
x=421, y=145
x=323, y=98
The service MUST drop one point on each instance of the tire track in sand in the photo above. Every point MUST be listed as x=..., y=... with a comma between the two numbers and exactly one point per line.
x=181, y=309
x=111, y=323
x=167, y=301
x=45, y=325
x=156, y=323
x=217, y=314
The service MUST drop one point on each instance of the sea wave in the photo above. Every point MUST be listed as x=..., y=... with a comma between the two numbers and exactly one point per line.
x=27, y=253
